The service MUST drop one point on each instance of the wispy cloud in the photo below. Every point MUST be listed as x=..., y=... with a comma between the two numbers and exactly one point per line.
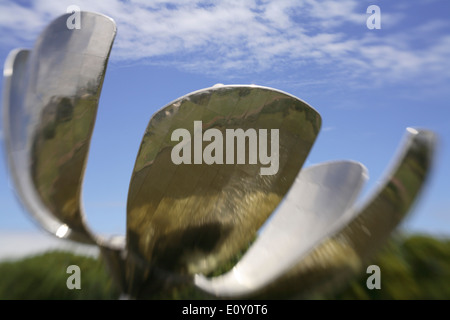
x=252, y=36
x=328, y=129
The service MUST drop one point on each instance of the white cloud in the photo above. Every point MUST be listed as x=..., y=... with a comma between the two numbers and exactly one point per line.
x=247, y=36
x=328, y=129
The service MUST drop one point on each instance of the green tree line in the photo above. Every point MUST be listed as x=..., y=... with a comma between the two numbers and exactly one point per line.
x=412, y=267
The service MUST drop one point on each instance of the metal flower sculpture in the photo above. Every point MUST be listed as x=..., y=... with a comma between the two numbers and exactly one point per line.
x=218, y=173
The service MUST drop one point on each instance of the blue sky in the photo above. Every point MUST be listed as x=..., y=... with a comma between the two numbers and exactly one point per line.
x=368, y=85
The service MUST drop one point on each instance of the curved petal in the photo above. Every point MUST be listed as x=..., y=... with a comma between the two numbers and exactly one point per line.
x=313, y=209
x=50, y=103
x=348, y=251
x=190, y=218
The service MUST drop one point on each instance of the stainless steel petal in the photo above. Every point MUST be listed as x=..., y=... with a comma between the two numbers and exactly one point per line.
x=192, y=218
x=314, y=208
x=50, y=103
x=349, y=250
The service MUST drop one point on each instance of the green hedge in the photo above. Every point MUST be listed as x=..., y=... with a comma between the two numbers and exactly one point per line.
x=45, y=276
x=413, y=267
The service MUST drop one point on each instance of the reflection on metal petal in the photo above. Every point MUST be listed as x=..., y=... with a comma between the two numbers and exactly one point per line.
x=50, y=103
x=345, y=253
x=192, y=218
x=314, y=208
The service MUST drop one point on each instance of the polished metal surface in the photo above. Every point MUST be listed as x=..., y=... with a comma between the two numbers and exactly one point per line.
x=315, y=207
x=192, y=218
x=350, y=250
x=50, y=103
x=188, y=219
